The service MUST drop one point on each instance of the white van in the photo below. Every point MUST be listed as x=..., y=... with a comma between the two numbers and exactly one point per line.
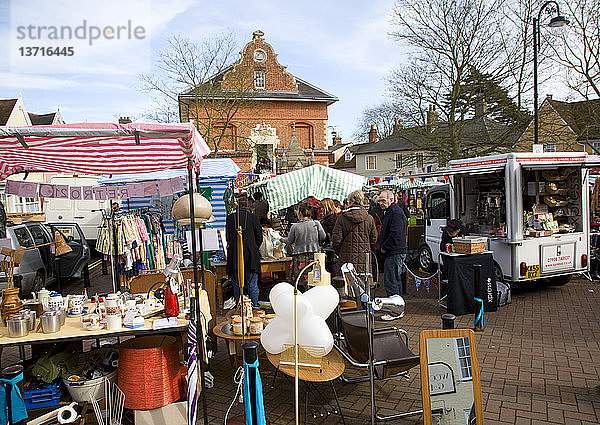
x=85, y=213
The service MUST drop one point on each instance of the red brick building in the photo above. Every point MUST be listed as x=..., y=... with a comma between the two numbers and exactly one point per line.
x=278, y=105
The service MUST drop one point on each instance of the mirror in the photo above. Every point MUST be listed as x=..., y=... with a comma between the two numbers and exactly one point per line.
x=70, y=238
x=450, y=383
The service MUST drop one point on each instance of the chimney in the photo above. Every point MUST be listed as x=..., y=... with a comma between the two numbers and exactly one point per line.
x=124, y=120
x=397, y=127
x=549, y=96
x=432, y=118
x=337, y=139
x=373, y=134
x=480, y=109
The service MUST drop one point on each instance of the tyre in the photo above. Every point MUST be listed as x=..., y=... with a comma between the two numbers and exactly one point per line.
x=39, y=281
x=425, y=258
x=559, y=280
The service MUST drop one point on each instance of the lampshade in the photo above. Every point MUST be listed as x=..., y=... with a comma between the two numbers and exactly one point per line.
x=202, y=210
x=558, y=22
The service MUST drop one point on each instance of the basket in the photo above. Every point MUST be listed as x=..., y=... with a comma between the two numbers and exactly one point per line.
x=149, y=372
x=469, y=244
x=86, y=390
x=47, y=396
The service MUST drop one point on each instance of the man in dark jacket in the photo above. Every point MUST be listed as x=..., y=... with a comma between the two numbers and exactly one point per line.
x=261, y=205
x=2, y=221
x=252, y=238
x=354, y=233
x=392, y=243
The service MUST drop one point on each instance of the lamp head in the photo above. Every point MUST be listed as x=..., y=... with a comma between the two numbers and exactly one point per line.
x=558, y=22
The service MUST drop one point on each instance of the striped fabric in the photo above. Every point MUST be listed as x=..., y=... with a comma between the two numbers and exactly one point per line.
x=99, y=148
x=318, y=181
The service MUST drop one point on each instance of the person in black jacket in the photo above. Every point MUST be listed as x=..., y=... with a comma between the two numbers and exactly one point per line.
x=453, y=229
x=392, y=243
x=252, y=237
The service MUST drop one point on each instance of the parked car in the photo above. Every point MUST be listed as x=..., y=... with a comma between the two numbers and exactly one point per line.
x=38, y=266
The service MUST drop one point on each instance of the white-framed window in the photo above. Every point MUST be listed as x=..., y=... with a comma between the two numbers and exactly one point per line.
x=596, y=148
x=348, y=155
x=371, y=162
x=420, y=159
x=26, y=205
x=398, y=161
x=259, y=79
x=463, y=358
x=549, y=147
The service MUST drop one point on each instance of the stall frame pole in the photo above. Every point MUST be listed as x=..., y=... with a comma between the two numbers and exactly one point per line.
x=199, y=335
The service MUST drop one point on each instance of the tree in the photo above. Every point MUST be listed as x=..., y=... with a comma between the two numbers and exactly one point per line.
x=447, y=39
x=577, y=47
x=191, y=75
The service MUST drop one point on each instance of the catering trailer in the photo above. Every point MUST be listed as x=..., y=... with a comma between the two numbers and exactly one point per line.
x=532, y=207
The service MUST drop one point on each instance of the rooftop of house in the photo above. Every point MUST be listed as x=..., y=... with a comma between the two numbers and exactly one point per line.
x=42, y=119
x=6, y=108
x=582, y=117
x=472, y=132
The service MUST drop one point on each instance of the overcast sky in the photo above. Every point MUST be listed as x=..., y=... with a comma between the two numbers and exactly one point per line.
x=341, y=46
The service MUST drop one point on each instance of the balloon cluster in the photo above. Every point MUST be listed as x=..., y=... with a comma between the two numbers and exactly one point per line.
x=313, y=308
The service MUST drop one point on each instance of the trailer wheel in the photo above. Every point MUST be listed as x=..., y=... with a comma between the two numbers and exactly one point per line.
x=559, y=280
x=498, y=273
x=425, y=258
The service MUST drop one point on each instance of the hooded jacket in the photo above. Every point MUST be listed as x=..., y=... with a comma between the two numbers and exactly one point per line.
x=354, y=234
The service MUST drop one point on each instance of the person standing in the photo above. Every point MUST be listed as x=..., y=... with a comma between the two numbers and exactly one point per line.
x=354, y=234
x=2, y=221
x=252, y=239
x=261, y=205
x=392, y=244
x=305, y=237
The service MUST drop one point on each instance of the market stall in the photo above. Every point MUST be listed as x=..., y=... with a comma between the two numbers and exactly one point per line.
x=318, y=181
x=105, y=148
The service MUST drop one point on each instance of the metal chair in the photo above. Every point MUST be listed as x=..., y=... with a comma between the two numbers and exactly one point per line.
x=391, y=355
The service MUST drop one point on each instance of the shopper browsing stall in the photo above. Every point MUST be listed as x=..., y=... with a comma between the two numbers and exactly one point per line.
x=453, y=229
x=305, y=238
x=392, y=243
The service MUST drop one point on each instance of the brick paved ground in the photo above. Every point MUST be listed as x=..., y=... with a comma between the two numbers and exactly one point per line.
x=538, y=360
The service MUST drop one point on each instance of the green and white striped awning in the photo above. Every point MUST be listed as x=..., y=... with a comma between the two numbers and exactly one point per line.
x=318, y=181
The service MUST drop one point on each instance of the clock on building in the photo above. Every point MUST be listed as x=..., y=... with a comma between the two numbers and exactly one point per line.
x=260, y=55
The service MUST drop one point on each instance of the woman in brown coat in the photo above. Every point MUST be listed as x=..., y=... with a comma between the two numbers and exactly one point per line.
x=354, y=234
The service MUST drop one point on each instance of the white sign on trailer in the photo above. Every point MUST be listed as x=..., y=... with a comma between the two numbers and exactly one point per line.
x=557, y=258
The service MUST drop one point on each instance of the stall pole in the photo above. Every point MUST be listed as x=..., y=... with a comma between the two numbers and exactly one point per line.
x=115, y=267
x=200, y=333
x=448, y=321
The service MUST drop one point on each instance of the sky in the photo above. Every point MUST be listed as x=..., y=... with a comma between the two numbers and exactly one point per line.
x=341, y=46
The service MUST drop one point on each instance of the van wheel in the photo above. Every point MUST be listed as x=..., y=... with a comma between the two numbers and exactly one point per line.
x=425, y=258
x=39, y=281
x=559, y=280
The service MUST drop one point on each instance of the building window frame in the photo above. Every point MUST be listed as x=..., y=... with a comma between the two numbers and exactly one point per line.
x=348, y=155
x=596, y=147
x=259, y=79
x=420, y=160
x=398, y=161
x=26, y=205
x=550, y=147
x=371, y=162
x=462, y=349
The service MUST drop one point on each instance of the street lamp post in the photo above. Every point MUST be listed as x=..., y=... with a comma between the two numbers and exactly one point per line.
x=557, y=21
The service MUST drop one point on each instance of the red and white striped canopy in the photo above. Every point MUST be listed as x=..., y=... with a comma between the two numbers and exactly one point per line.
x=100, y=148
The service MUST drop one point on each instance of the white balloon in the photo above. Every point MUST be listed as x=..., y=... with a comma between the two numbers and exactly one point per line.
x=313, y=307
x=324, y=299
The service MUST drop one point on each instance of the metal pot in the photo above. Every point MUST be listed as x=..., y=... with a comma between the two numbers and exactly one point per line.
x=61, y=313
x=30, y=315
x=50, y=322
x=18, y=326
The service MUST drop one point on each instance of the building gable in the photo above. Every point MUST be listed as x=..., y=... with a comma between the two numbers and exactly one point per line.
x=259, y=57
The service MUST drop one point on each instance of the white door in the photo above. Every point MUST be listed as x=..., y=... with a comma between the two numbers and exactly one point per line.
x=437, y=218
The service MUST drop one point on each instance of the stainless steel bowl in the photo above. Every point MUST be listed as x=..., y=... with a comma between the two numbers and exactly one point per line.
x=18, y=326
x=50, y=322
x=30, y=315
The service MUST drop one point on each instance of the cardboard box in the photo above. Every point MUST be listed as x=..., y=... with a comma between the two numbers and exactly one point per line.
x=174, y=413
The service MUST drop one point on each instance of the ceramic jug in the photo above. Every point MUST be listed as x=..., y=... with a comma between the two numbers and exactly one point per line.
x=43, y=297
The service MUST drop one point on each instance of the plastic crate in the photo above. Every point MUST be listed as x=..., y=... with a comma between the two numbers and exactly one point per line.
x=46, y=396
